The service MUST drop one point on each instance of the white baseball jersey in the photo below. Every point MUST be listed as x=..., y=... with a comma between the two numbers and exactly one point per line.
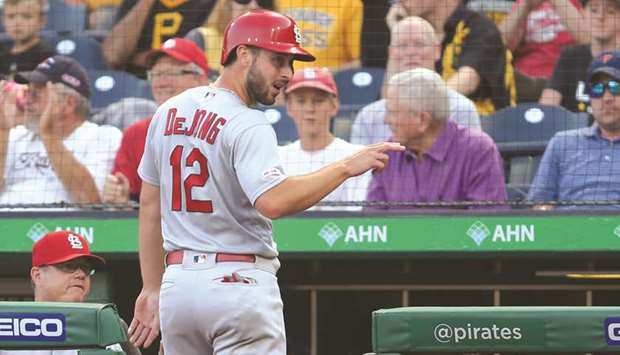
x=212, y=157
x=297, y=161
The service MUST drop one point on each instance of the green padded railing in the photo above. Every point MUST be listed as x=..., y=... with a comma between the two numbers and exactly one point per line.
x=46, y=325
x=488, y=329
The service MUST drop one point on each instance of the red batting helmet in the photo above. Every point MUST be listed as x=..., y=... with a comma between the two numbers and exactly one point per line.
x=265, y=29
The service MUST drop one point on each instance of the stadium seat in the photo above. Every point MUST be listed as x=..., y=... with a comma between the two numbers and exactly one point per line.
x=5, y=41
x=286, y=131
x=359, y=86
x=522, y=170
x=526, y=128
x=341, y=124
x=111, y=86
x=285, y=128
x=63, y=18
x=82, y=48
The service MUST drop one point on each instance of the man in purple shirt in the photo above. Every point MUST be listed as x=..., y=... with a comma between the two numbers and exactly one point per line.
x=443, y=162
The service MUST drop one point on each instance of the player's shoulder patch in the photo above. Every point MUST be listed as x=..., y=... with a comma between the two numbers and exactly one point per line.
x=273, y=174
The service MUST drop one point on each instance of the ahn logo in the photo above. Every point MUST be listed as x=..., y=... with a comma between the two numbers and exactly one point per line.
x=32, y=327
x=612, y=331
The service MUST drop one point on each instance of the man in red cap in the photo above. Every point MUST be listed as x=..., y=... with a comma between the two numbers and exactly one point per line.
x=61, y=267
x=176, y=66
x=312, y=102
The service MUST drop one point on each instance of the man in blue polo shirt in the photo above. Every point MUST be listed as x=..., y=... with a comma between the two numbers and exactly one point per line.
x=584, y=164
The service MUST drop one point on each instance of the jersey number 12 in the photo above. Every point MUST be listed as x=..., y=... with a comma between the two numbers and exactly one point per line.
x=191, y=181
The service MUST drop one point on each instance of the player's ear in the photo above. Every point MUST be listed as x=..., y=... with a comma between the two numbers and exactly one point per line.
x=35, y=274
x=244, y=55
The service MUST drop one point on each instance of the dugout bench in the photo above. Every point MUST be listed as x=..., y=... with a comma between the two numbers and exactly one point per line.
x=89, y=327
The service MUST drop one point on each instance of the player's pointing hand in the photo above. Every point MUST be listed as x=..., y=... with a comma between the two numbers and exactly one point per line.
x=373, y=156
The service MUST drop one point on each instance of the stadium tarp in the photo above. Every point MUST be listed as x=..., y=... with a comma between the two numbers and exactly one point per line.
x=514, y=329
x=43, y=325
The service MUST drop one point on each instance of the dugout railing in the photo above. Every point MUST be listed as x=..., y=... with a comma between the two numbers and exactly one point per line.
x=339, y=267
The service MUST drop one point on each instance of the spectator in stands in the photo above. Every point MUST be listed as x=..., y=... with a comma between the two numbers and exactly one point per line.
x=584, y=164
x=210, y=36
x=413, y=45
x=125, y=112
x=56, y=156
x=62, y=266
x=537, y=30
x=474, y=60
x=331, y=30
x=101, y=13
x=496, y=10
x=175, y=67
x=143, y=25
x=312, y=102
x=23, y=21
x=443, y=162
x=570, y=75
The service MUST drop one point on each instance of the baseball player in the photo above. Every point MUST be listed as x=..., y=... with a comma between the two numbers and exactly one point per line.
x=212, y=180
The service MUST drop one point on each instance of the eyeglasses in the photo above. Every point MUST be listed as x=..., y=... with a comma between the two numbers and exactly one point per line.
x=597, y=90
x=72, y=266
x=152, y=75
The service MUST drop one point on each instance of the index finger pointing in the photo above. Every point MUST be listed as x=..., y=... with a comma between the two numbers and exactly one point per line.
x=391, y=146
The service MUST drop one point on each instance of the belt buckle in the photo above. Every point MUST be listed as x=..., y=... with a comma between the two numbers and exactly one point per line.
x=200, y=258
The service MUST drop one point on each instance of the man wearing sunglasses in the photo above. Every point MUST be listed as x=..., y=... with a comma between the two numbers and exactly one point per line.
x=62, y=266
x=584, y=164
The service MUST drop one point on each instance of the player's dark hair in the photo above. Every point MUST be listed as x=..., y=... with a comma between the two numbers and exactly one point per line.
x=232, y=57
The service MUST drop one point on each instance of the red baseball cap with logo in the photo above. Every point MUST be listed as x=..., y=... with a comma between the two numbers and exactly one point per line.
x=182, y=50
x=60, y=246
x=318, y=78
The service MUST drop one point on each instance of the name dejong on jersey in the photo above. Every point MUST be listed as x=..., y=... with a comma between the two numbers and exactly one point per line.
x=204, y=125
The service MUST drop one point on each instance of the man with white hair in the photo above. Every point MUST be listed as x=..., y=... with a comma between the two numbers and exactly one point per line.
x=53, y=154
x=443, y=162
x=413, y=44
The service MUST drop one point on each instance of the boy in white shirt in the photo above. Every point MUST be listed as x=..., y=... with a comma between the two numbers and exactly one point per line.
x=312, y=102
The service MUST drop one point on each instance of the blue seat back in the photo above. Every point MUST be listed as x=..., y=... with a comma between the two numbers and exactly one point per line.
x=110, y=86
x=82, y=48
x=282, y=124
x=526, y=128
x=65, y=18
x=359, y=86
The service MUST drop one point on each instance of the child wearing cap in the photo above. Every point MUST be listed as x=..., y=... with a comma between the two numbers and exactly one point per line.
x=312, y=102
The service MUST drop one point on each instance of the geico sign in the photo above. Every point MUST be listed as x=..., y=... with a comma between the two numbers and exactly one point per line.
x=32, y=326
